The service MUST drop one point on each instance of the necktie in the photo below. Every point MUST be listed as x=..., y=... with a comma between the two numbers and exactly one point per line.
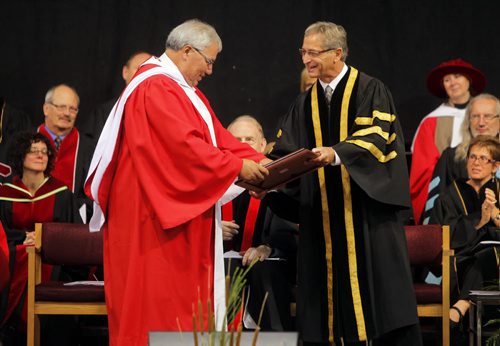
x=57, y=142
x=328, y=95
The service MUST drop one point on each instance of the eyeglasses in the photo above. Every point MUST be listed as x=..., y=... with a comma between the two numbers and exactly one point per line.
x=63, y=108
x=481, y=159
x=207, y=59
x=313, y=53
x=486, y=117
x=44, y=152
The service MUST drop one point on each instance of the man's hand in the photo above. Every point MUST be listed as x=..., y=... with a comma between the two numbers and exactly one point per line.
x=325, y=155
x=252, y=172
x=265, y=161
x=30, y=238
x=229, y=229
x=261, y=252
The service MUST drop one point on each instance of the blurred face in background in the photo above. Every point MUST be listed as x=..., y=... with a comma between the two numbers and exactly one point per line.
x=132, y=66
x=457, y=87
x=246, y=131
x=60, y=112
x=483, y=118
x=36, y=158
x=480, y=164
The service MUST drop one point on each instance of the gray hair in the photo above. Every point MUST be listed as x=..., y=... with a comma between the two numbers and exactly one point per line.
x=334, y=36
x=463, y=147
x=195, y=33
x=49, y=96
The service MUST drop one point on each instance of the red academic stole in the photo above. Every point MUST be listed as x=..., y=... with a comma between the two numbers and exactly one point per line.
x=250, y=221
x=26, y=210
x=66, y=157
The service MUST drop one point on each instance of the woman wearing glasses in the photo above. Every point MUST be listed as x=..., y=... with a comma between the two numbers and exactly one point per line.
x=454, y=81
x=470, y=206
x=481, y=118
x=32, y=196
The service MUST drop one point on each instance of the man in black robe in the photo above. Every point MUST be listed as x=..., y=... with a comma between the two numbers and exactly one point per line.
x=73, y=150
x=251, y=228
x=354, y=276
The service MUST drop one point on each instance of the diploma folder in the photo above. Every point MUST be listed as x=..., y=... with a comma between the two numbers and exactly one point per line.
x=284, y=170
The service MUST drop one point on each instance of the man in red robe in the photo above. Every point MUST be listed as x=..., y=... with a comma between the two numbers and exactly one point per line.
x=73, y=151
x=161, y=165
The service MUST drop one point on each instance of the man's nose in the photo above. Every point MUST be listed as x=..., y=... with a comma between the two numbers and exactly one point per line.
x=210, y=69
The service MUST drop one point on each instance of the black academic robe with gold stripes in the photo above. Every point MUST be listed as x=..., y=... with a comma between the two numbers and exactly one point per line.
x=354, y=276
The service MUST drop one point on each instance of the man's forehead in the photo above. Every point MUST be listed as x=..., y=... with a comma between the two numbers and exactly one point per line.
x=484, y=103
x=65, y=93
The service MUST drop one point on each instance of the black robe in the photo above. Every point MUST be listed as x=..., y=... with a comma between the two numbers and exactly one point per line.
x=277, y=278
x=460, y=207
x=446, y=171
x=354, y=275
x=94, y=122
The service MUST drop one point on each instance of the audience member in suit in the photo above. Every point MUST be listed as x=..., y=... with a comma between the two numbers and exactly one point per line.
x=252, y=229
x=72, y=150
x=481, y=118
x=94, y=122
x=470, y=206
x=33, y=196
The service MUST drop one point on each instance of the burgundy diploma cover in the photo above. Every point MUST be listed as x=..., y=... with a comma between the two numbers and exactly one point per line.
x=284, y=170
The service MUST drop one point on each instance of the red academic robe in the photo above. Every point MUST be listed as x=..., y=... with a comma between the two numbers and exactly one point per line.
x=4, y=259
x=424, y=159
x=166, y=177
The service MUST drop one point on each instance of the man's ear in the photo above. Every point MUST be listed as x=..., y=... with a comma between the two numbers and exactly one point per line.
x=263, y=145
x=45, y=108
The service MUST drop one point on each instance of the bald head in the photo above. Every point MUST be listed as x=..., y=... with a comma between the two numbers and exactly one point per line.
x=247, y=129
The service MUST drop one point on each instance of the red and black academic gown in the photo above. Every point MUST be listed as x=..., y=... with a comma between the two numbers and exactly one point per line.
x=354, y=277
x=164, y=180
x=437, y=131
x=19, y=211
x=259, y=225
x=72, y=163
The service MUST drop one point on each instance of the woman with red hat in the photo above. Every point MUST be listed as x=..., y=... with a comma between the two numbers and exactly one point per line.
x=455, y=81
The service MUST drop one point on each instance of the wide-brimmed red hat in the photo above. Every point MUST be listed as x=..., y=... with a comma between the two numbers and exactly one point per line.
x=435, y=79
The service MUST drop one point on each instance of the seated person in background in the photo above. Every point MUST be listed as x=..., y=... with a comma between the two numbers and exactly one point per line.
x=470, y=206
x=33, y=196
x=455, y=81
x=72, y=150
x=252, y=229
x=481, y=118
x=92, y=125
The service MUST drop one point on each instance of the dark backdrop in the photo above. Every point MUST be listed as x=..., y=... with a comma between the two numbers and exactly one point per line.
x=84, y=43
